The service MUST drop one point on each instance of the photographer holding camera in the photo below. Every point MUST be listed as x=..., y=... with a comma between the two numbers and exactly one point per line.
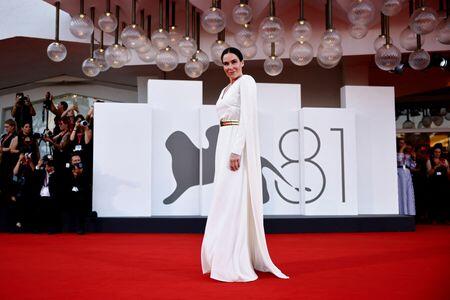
x=78, y=191
x=21, y=205
x=81, y=137
x=60, y=144
x=27, y=142
x=57, y=110
x=23, y=110
x=46, y=185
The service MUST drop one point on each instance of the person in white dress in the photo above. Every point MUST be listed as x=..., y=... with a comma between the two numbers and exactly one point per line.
x=234, y=244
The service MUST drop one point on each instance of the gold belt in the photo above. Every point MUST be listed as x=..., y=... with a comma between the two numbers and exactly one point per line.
x=228, y=122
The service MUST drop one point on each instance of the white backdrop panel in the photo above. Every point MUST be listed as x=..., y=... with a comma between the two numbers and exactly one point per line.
x=375, y=138
x=122, y=160
x=175, y=94
x=278, y=97
x=279, y=139
x=330, y=168
x=175, y=162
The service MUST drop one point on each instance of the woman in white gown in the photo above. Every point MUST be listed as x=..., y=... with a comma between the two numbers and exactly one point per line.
x=234, y=244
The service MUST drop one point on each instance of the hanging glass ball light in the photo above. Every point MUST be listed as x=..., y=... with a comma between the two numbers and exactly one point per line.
x=167, y=59
x=246, y=36
x=361, y=12
x=302, y=30
x=301, y=53
x=329, y=55
x=388, y=57
x=149, y=55
x=99, y=55
x=213, y=20
x=423, y=20
x=242, y=14
x=193, y=68
x=144, y=48
x=56, y=51
x=216, y=51
x=133, y=37
x=443, y=32
x=202, y=57
x=107, y=22
x=249, y=52
x=90, y=67
x=358, y=31
x=408, y=39
x=116, y=56
x=129, y=55
x=273, y=66
x=280, y=46
x=391, y=7
x=271, y=29
x=187, y=46
x=331, y=37
x=419, y=59
x=174, y=37
x=160, y=38
x=81, y=26
x=380, y=41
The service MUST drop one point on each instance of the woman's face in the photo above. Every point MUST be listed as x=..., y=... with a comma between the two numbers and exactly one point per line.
x=63, y=126
x=437, y=153
x=232, y=66
x=26, y=129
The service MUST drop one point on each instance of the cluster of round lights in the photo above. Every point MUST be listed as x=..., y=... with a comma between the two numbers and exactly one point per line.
x=165, y=47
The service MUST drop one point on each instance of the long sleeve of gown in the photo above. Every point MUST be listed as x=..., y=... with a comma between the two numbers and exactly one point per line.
x=247, y=86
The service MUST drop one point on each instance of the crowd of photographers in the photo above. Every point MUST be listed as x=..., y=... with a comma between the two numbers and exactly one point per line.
x=43, y=193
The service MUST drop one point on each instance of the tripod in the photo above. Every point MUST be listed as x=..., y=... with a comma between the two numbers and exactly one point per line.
x=45, y=110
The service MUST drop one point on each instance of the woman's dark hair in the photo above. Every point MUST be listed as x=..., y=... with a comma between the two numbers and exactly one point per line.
x=79, y=117
x=234, y=51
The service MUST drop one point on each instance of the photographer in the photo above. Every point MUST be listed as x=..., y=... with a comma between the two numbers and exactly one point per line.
x=438, y=169
x=23, y=110
x=27, y=142
x=80, y=138
x=57, y=110
x=78, y=191
x=8, y=152
x=46, y=194
x=21, y=204
x=60, y=144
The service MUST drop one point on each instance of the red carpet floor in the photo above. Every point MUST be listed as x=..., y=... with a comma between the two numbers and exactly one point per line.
x=411, y=265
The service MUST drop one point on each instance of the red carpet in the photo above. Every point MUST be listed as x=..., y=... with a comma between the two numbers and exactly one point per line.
x=412, y=265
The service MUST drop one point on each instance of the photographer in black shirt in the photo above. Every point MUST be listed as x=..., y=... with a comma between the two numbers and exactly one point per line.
x=78, y=190
x=23, y=110
x=21, y=206
x=27, y=142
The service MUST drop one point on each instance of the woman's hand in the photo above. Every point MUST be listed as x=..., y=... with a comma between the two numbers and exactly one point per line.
x=235, y=162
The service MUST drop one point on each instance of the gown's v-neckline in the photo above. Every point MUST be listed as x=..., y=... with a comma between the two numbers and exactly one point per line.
x=229, y=86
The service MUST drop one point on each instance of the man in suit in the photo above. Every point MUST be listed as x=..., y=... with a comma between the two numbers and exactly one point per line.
x=46, y=193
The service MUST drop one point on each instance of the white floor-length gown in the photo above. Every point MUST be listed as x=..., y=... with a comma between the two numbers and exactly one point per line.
x=234, y=244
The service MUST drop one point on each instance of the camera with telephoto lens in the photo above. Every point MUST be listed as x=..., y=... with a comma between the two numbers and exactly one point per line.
x=22, y=98
x=28, y=155
x=47, y=133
